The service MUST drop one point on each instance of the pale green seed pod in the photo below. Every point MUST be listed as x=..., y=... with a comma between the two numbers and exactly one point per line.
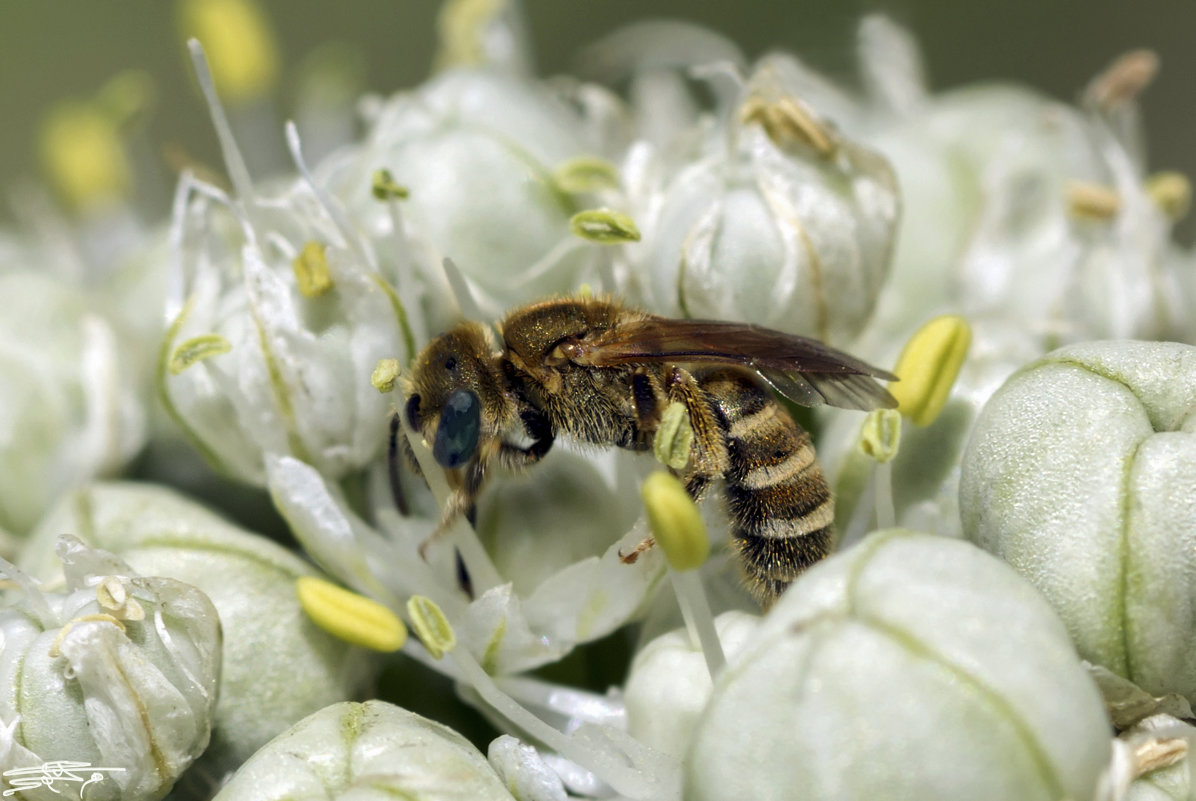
x=365, y=752
x=1081, y=473
x=119, y=677
x=909, y=667
x=251, y=581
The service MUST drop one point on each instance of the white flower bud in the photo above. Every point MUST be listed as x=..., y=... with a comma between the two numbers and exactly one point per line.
x=910, y=667
x=250, y=580
x=365, y=752
x=1081, y=473
x=71, y=409
x=304, y=315
x=669, y=683
x=1020, y=205
x=478, y=151
x=785, y=223
x=127, y=694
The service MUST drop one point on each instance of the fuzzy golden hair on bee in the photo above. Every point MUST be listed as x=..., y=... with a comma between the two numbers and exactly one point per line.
x=601, y=373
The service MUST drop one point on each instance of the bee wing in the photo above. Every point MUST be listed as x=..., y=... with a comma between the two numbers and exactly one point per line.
x=803, y=370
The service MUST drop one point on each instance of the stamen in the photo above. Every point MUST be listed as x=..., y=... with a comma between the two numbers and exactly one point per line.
x=311, y=270
x=678, y=528
x=928, y=367
x=604, y=227
x=349, y=616
x=385, y=374
x=195, y=350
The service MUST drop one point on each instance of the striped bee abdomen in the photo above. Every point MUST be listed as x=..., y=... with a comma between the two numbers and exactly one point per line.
x=779, y=503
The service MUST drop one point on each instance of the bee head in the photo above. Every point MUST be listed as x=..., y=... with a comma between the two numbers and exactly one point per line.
x=455, y=394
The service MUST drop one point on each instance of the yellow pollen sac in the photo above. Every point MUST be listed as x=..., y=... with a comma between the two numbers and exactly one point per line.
x=349, y=616
x=1092, y=201
x=431, y=626
x=674, y=438
x=928, y=367
x=239, y=43
x=585, y=174
x=82, y=155
x=880, y=436
x=385, y=187
x=604, y=226
x=385, y=374
x=1171, y=192
x=195, y=350
x=311, y=270
x=675, y=522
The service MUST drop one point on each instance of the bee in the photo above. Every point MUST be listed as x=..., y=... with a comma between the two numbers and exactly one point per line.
x=600, y=372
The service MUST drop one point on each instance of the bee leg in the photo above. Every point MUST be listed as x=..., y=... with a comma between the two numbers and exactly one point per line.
x=536, y=424
x=645, y=544
x=396, y=441
x=648, y=398
x=461, y=501
x=709, y=457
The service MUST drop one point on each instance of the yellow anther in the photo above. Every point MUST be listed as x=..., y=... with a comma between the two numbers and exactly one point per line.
x=385, y=187
x=928, y=367
x=112, y=595
x=1092, y=201
x=585, y=174
x=675, y=437
x=880, y=436
x=675, y=521
x=349, y=616
x=195, y=350
x=431, y=626
x=239, y=42
x=585, y=292
x=82, y=154
x=385, y=374
x=604, y=226
x=126, y=97
x=1171, y=192
x=788, y=121
x=461, y=25
x=311, y=270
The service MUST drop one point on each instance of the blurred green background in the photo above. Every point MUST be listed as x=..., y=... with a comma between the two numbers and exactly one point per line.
x=51, y=51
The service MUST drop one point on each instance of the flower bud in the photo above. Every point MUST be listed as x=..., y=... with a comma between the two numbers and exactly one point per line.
x=1081, y=473
x=786, y=224
x=669, y=683
x=908, y=667
x=251, y=582
x=72, y=411
x=366, y=752
x=117, y=673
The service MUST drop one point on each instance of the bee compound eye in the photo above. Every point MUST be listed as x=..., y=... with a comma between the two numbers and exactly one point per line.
x=459, y=429
x=412, y=412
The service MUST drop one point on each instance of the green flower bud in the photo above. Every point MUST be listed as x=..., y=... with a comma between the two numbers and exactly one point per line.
x=1081, y=473
x=366, y=752
x=908, y=667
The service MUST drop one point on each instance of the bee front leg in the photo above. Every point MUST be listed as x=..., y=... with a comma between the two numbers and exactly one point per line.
x=539, y=429
x=462, y=500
